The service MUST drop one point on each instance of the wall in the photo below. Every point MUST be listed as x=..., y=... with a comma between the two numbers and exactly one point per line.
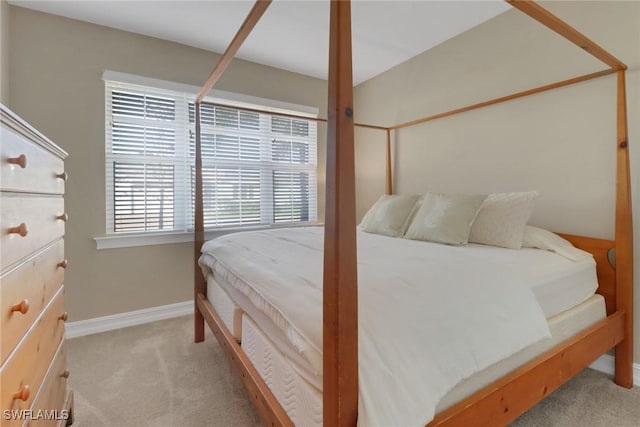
x=4, y=52
x=56, y=68
x=561, y=143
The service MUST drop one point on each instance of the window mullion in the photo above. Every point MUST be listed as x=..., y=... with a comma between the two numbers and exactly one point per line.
x=266, y=173
x=183, y=218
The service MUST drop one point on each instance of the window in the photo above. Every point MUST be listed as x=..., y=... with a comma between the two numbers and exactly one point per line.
x=257, y=168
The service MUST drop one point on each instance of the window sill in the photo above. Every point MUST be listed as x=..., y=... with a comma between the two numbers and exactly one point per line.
x=128, y=240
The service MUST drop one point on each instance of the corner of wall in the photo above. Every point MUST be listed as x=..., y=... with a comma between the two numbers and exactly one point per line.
x=5, y=10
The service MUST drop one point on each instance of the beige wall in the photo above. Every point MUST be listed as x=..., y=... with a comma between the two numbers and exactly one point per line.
x=56, y=69
x=561, y=143
x=4, y=52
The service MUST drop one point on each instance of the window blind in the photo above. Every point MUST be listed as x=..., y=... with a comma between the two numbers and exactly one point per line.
x=257, y=168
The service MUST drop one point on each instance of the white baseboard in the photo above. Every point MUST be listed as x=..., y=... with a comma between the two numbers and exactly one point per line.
x=122, y=320
x=606, y=364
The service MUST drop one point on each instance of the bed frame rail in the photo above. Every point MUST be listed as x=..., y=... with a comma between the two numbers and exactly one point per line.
x=271, y=412
x=508, y=398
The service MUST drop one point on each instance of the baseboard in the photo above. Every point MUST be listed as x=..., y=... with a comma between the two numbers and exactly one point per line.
x=123, y=320
x=606, y=364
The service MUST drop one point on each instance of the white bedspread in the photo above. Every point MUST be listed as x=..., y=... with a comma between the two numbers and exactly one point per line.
x=430, y=315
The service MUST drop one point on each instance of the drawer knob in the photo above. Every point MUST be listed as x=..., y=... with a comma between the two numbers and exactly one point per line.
x=21, y=229
x=65, y=374
x=63, y=217
x=22, y=306
x=64, y=316
x=21, y=161
x=23, y=394
x=62, y=175
x=63, y=264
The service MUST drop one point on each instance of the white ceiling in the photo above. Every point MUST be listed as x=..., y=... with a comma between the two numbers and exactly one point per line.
x=292, y=35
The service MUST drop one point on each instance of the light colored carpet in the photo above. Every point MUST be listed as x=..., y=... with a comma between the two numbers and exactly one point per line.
x=154, y=375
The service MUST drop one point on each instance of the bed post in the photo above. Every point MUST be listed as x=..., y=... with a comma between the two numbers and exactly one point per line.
x=340, y=293
x=389, y=170
x=624, y=242
x=198, y=241
x=250, y=21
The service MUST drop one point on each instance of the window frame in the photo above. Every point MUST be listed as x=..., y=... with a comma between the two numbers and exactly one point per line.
x=113, y=239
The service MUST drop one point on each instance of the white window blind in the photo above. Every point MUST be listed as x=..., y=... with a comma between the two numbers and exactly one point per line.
x=257, y=168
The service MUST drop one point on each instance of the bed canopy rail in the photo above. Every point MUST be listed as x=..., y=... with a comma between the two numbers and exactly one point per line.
x=243, y=32
x=494, y=101
x=509, y=396
x=556, y=24
x=289, y=115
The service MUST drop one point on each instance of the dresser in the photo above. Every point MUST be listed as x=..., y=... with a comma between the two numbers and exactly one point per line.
x=33, y=371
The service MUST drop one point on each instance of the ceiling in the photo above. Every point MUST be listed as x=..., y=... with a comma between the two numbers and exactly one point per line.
x=292, y=34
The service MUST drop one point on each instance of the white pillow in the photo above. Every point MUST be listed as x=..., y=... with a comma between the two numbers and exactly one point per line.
x=501, y=219
x=445, y=218
x=390, y=215
x=540, y=238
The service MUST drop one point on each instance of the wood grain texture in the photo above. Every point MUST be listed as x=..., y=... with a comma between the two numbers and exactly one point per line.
x=36, y=279
x=340, y=288
x=67, y=406
x=250, y=21
x=289, y=115
x=29, y=362
x=199, y=286
x=39, y=216
x=11, y=120
x=53, y=392
x=624, y=240
x=503, y=401
x=271, y=412
x=504, y=98
x=554, y=23
x=32, y=184
x=41, y=166
x=510, y=396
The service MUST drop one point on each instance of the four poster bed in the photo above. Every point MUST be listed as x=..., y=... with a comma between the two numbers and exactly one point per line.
x=251, y=327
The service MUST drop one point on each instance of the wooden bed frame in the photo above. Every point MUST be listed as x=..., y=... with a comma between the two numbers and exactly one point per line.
x=512, y=395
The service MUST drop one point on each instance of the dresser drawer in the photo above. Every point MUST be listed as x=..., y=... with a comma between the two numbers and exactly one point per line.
x=43, y=172
x=26, y=368
x=26, y=291
x=28, y=224
x=47, y=406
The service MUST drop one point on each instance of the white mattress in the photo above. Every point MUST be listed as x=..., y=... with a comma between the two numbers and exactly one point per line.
x=303, y=402
x=228, y=311
x=282, y=270
x=243, y=305
x=557, y=287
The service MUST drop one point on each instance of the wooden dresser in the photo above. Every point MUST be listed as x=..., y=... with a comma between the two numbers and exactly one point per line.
x=33, y=372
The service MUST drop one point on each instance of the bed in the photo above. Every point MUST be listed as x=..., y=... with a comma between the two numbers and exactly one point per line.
x=295, y=374
x=267, y=287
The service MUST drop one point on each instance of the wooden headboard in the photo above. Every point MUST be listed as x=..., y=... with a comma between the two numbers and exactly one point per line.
x=606, y=272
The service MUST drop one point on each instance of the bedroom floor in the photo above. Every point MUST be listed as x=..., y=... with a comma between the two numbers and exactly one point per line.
x=154, y=375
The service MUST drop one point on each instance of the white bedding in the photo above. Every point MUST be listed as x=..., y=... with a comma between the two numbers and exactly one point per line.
x=303, y=402
x=557, y=282
x=409, y=358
